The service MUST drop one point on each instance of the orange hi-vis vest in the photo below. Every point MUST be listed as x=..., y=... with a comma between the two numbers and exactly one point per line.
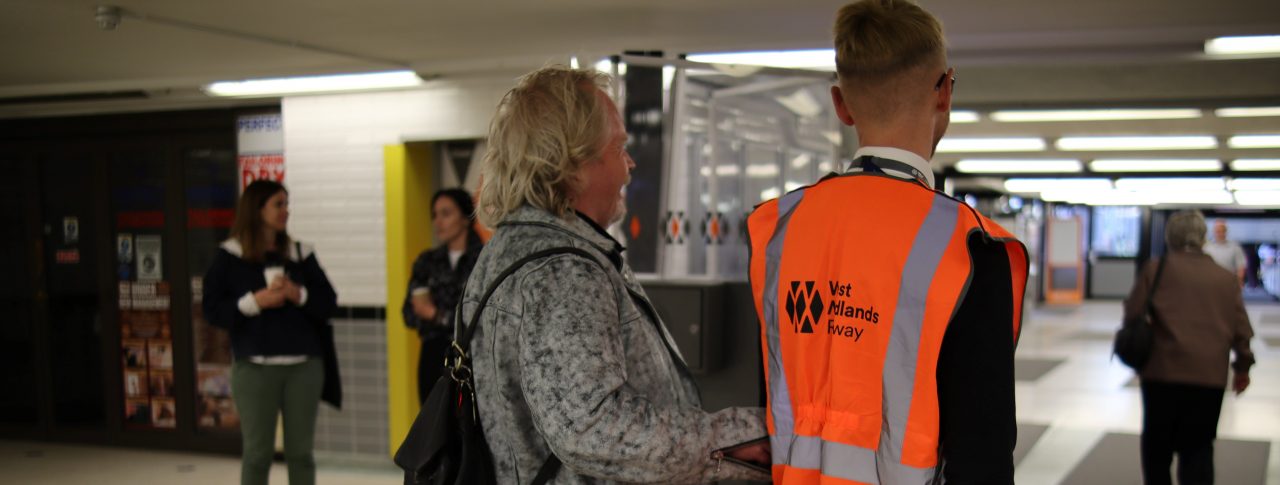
x=855, y=280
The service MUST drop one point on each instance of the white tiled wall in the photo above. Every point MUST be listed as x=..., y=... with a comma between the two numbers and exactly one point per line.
x=333, y=160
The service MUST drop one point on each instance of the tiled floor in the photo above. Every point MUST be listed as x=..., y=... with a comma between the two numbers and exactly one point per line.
x=1092, y=412
x=1077, y=412
x=43, y=463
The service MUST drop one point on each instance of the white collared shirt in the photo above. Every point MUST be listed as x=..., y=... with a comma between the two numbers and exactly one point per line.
x=896, y=154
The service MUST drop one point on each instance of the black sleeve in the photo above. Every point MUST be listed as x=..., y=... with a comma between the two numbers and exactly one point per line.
x=220, y=303
x=322, y=300
x=975, y=375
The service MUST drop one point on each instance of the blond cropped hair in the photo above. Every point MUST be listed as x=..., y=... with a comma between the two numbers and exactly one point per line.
x=877, y=42
x=545, y=129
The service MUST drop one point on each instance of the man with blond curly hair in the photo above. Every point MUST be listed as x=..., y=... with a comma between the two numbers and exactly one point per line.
x=572, y=363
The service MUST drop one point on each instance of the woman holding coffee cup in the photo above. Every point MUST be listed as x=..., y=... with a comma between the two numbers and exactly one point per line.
x=270, y=293
x=437, y=280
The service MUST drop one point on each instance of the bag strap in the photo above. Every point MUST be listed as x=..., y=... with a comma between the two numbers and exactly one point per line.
x=548, y=470
x=463, y=334
x=1151, y=293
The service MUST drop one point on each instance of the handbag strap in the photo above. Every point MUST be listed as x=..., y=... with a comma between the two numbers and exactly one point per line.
x=548, y=470
x=463, y=334
x=1151, y=293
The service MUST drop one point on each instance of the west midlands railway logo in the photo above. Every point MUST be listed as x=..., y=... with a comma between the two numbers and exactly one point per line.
x=804, y=306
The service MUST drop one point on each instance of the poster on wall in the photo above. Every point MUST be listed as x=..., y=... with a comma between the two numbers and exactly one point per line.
x=214, y=408
x=260, y=148
x=149, y=263
x=146, y=353
x=124, y=256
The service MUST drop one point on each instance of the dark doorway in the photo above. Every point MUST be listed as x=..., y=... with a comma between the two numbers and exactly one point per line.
x=110, y=219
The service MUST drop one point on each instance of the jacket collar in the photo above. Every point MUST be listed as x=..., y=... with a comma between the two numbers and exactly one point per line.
x=919, y=167
x=575, y=225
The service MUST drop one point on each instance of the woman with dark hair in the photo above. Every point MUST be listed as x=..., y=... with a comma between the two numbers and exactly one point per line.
x=438, y=277
x=270, y=293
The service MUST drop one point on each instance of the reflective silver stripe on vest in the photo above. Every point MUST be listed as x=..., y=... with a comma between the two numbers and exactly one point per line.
x=784, y=421
x=931, y=242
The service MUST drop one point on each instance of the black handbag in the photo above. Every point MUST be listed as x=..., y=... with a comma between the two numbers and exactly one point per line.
x=1137, y=334
x=446, y=443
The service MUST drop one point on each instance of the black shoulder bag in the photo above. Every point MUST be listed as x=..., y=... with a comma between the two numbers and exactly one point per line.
x=1137, y=334
x=446, y=443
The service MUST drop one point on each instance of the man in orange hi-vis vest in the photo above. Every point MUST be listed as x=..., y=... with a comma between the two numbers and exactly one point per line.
x=889, y=312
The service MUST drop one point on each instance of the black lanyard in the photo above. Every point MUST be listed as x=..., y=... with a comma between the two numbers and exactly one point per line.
x=872, y=164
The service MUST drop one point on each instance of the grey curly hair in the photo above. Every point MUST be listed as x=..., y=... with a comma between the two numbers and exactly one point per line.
x=1185, y=230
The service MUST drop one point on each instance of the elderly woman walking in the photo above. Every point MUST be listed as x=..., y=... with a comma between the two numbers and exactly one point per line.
x=1199, y=320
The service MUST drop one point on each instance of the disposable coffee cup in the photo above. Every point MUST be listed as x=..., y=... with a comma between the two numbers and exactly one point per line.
x=273, y=272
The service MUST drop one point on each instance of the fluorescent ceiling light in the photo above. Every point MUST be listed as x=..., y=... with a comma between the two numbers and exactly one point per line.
x=314, y=84
x=1254, y=184
x=1079, y=143
x=1200, y=184
x=1247, y=112
x=1255, y=164
x=953, y=145
x=1173, y=165
x=727, y=170
x=1024, y=116
x=1220, y=197
x=833, y=137
x=801, y=160
x=1254, y=141
x=762, y=170
x=770, y=193
x=964, y=116
x=818, y=59
x=1256, y=44
x=1100, y=197
x=801, y=102
x=1258, y=198
x=1029, y=185
x=1018, y=166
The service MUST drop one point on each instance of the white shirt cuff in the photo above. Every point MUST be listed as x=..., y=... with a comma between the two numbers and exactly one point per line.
x=302, y=300
x=248, y=305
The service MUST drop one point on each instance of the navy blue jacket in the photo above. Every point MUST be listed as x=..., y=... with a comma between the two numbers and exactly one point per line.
x=287, y=330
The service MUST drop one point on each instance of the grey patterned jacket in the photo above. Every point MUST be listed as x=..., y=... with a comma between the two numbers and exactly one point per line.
x=569, y=359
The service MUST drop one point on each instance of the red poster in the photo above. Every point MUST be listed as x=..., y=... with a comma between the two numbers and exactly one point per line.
x=260, y=167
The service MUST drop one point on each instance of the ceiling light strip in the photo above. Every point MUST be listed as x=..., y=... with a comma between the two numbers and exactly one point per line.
x=1031, y=116
x=1120, y=143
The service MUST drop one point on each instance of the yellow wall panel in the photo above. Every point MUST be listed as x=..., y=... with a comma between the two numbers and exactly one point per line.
x=408, y=172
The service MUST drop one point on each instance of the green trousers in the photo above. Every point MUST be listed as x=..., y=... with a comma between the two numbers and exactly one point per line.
x=262, y=392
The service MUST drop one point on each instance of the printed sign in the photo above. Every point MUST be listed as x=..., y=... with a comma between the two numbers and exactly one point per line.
x=260, y=148
x=67, y=256
x=70, y=230
x=214, y=407
x=146, y=353
x=260, y=167
x=149, y=258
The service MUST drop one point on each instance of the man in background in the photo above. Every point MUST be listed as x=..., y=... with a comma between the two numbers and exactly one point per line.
x=1228, y=254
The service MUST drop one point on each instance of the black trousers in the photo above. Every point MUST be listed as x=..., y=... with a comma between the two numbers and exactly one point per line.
x=431, y=363
x=1181, y=419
